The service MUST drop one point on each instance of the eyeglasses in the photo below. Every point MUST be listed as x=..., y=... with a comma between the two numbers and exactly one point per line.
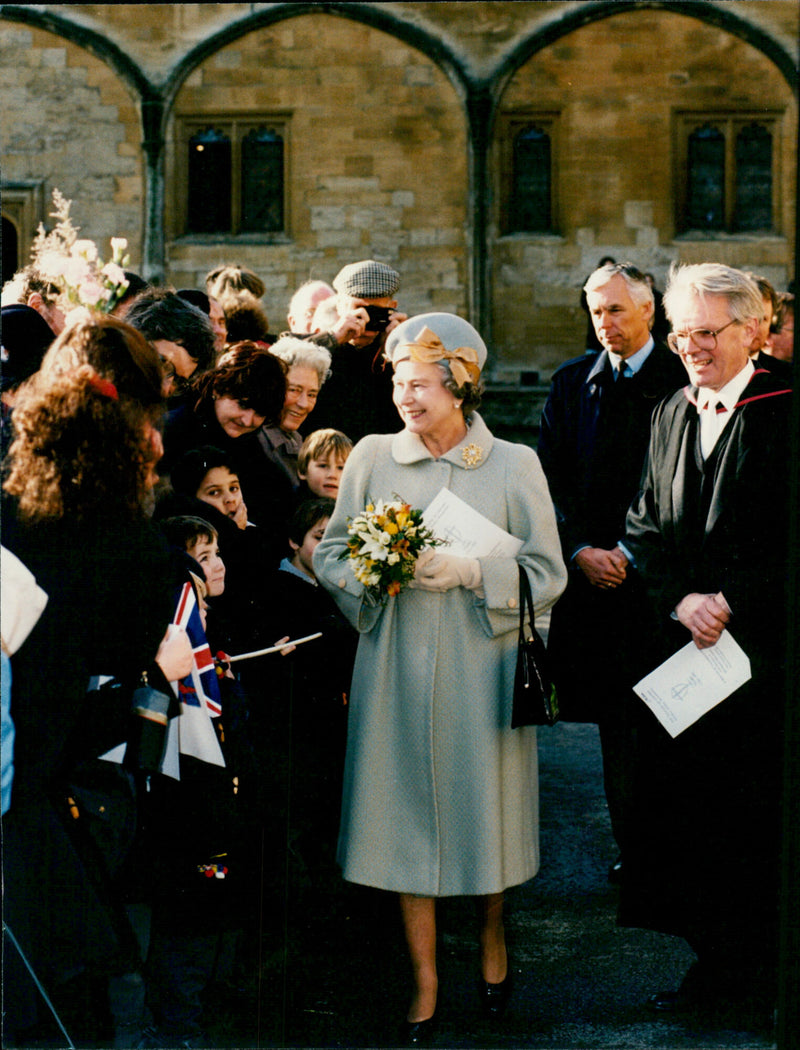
x=703, y=339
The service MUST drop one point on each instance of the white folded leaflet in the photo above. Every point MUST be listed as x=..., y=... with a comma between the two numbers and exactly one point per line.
x=468, y=533
x=692, y=681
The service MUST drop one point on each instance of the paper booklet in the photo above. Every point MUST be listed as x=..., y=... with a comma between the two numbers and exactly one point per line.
x=468, y=533
x=690, y=683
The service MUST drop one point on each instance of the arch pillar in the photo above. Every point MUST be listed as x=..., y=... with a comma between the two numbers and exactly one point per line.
x=153, y=145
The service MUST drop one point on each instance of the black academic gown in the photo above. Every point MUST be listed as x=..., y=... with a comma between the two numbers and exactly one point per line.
x=702, y=861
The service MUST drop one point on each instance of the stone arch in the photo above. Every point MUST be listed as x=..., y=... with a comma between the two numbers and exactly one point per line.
x=358, y=153
x=578, y=15
x=414, y=36
x=116, y=80
x=89, y=39
x=625, y=201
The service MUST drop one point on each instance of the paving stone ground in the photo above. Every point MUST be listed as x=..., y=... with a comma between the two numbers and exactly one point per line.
x=340, y=977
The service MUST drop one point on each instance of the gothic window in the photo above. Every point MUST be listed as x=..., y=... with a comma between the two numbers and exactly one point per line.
x=527, y=173
x=753, y=203
x=705, y=203
x=726, y=174
x=232, y=175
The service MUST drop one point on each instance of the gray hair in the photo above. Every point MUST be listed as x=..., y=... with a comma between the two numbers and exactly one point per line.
x=702, y=279
x=638, y=285
x=303, y=354
x=469, y=394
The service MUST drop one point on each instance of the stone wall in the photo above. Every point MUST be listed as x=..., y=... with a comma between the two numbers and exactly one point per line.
x=69, y=122
x=617, y=84
x=377, y=164
x=380, y=142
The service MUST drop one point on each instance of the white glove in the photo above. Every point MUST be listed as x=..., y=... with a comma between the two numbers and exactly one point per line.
x=441, y=572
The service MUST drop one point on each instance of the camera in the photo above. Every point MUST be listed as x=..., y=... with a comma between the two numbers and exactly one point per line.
x=379, y=317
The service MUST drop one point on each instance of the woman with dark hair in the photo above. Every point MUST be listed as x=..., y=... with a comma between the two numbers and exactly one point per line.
x=79, y=472
x=212, y=309
x=227, y=408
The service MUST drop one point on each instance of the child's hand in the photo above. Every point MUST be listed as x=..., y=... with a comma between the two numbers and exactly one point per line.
x=288, y=649
x=175, y=656
x=240, y=517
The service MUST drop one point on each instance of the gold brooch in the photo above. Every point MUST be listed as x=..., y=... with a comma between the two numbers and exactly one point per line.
x=472, y=454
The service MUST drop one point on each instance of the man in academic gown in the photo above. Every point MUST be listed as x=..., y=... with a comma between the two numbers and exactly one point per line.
x=708, y=538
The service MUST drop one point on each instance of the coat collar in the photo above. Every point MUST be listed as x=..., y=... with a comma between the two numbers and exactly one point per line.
x=473, y=451
x=758, y=388
x=598, y=367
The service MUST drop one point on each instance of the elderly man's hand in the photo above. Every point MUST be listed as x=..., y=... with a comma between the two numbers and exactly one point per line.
x=705, y=615
x=351, y=326
x=396, y=319
x=602, y=568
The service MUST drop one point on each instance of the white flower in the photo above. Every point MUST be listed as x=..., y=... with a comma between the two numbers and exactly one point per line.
x=85, y=249
x=393, y=558
x=118, y=246
x=52, y=264
x=115, y=274
x=91, y=292
x=76, y=271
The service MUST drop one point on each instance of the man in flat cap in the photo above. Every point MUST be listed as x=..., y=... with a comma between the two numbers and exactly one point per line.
x=358, y=396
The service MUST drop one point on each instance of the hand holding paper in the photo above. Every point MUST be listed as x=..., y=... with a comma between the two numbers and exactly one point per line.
x=705, y=615
x=442, y=572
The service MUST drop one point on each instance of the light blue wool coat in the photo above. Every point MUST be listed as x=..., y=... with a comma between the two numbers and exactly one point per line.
x=440, y=794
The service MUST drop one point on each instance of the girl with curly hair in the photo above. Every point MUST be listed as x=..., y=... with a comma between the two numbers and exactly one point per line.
x=79, y=471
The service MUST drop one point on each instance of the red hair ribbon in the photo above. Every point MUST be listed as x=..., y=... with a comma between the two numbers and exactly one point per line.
x=104, y=387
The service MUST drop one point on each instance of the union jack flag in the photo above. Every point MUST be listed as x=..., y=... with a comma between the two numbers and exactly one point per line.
x=192, y=733
x=201, y=686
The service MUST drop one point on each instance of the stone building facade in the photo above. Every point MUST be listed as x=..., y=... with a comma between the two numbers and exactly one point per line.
x=397, y=125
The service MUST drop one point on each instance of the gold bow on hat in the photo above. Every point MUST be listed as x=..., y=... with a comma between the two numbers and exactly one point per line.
x=428, y=348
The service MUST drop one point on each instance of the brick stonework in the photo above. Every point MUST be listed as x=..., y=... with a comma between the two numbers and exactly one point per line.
x=379, y=144
x=68, y=120
x=377, y=163
x=616, y=84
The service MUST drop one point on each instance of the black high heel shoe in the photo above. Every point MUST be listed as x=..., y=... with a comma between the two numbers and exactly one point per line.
x=494, y=997
x=418, y=1033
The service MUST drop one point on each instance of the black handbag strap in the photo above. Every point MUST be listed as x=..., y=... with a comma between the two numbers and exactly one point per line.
x=525, y=601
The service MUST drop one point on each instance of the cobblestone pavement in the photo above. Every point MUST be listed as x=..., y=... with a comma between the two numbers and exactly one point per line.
x=580, y=981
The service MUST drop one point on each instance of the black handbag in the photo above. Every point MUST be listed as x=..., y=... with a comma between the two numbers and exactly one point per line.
x=535, y=700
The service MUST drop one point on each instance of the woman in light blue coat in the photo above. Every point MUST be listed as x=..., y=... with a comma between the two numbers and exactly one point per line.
x=441, y=795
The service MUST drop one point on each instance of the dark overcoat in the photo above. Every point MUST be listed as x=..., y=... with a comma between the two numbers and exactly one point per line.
x=592, y=446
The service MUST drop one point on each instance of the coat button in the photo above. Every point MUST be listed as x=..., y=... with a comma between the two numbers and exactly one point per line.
x=342, y=582
x=512, y=603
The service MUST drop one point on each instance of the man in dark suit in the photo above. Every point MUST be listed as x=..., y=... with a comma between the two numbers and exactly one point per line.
x=759, y=355
x=708, y=538
x=594, y=435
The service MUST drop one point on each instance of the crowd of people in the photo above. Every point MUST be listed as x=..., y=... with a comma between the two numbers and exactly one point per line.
x=198, y=691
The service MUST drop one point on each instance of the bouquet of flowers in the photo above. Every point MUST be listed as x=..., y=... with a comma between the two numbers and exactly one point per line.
x=385, y=542
x=73, y=264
